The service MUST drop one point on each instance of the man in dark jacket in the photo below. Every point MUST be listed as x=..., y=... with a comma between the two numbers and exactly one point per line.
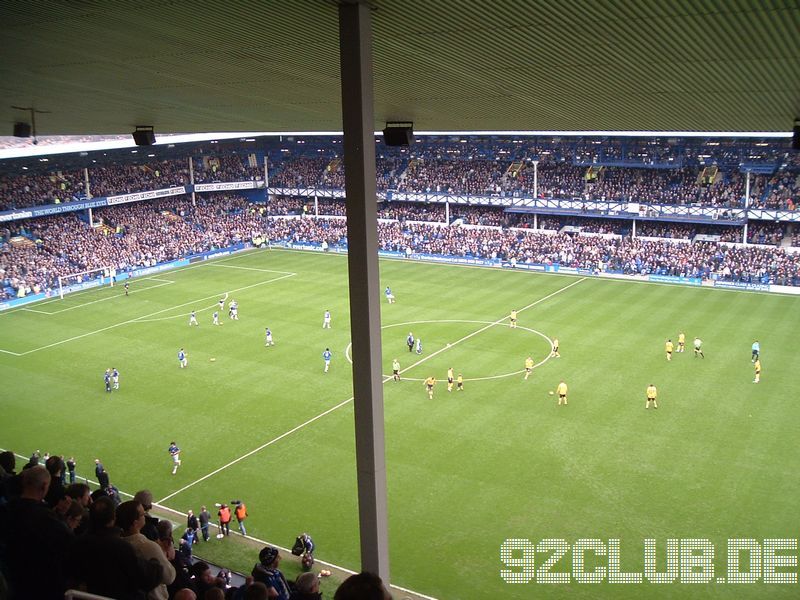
x=267, y=572
x=34, y=541
x=106, y=564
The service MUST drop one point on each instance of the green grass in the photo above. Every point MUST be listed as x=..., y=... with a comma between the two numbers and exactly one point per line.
x=467, y=470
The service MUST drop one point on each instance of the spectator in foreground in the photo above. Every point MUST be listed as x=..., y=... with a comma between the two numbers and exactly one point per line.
x=267, y=572
x=150, y=529
x=204, y=580
x=32, y=537
x=256, y=591
x=363, y=586
x=9, y=480
x=131, y=519
x=182, y=564
x=103, y=563
x=306, y=587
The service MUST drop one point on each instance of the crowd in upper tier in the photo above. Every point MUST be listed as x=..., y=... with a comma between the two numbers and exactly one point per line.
x=648, y=173
x=127, y=237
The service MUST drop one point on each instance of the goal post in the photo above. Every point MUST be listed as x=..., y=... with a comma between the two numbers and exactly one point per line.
x=83, y=280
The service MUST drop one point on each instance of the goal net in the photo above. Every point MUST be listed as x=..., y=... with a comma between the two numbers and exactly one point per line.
x=83, y=280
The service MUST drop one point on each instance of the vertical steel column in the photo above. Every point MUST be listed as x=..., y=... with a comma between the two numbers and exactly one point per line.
x=746, y=207
x=266, y=178
x=191, y=180
x=355, y=44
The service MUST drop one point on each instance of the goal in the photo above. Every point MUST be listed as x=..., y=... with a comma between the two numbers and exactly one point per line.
x=83, y=280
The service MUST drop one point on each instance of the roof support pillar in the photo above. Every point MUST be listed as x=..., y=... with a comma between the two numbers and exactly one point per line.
x=355, y=44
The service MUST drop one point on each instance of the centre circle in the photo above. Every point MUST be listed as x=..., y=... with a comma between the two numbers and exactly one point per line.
x=490, y=323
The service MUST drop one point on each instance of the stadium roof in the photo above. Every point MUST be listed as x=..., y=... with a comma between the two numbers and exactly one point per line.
x=105, y=66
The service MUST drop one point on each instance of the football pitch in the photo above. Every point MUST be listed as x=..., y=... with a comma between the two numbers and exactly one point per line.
x=467, y=470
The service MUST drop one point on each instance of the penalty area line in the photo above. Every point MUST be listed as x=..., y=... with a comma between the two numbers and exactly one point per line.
x=144, y=318
x=261, y=447
x=385, y=378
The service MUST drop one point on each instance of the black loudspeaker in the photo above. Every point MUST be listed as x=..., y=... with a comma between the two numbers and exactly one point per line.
x=22, y=130
x=144, y=136
x=398, y=134
x=795, y=136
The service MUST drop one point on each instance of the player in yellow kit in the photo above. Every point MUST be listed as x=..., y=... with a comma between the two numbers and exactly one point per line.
x=513, y=323
x=652, y=394
x=459, y=383
x=681, y=342
x=668, y=348
x=450, y=379
x=528, y=367
x=429, y=383
x=561, y=390
x=555, y=348
x=757, y=365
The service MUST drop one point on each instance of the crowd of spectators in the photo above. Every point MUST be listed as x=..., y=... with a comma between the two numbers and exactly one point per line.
x=453, y=176
x=781, y=191
x=227, y=167
x=300, y=172
x=50, y=188
x=482, y=169
x=57, y=534
x=765, y=233
x=147, y=233
x=412, y=211
x=633, y=256
x=133, y=236
x=126, y=179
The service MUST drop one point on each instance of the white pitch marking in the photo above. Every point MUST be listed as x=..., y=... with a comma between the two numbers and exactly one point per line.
x=211, y=263
x=162, y=283
x=482, y=329
x=181, y=316
x=245, y=268
x=537, y=365
x=261, y=447
x=115, y=296
x=345, y=402
x=143, y=319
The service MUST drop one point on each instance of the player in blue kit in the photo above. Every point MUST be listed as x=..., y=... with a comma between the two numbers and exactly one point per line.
x=326, y=356
x=175, y=453
x=389, y=295
x=107, y=378
x=115, y=378
x=233, y=310
x=182, y=358
x=268, y=337
x=193, y=319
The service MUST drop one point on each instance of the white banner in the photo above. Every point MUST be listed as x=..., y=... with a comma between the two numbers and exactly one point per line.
x=163, y=193
x=230, y=185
